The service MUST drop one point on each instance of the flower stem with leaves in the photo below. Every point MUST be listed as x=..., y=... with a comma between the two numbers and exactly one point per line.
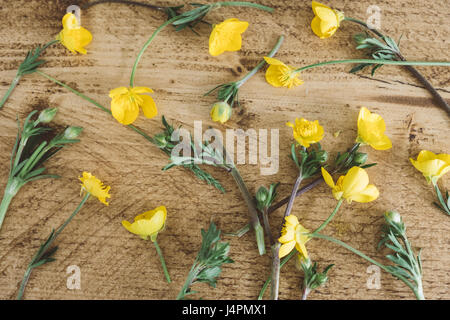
x=388, y=50
x=28, y=66
x=46, y=252
x=204, y=153
x=407, y=266
x=31, y=149
x=208, y=263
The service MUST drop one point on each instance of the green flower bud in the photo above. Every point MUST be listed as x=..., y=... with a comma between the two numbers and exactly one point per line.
x=72, y=132
x=393, y=217
x=360, y=158
x=221, y=112
x=360, y=38
x=161, y=140
x=47, y=115
x=262, y=196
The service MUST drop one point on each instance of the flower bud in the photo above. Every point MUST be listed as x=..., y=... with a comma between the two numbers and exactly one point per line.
x=360, y=38
x=262, y=196
x=393, y=217
x=161, y=140
x=72, y=132
x=47, y=115
x=221, y=112
x=360, y=158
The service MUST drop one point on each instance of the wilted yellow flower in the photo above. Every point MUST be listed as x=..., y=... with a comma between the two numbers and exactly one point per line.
x=148, y=224
x=280, y=75
x=371, y=129
x=126, y=102
x=293, y=236
x=326, y=20
x=95, y=187
x=221, y=112
x=306, y=132
x=432, y=166
x=354, y=186
x=226, y=36
x=73, y=36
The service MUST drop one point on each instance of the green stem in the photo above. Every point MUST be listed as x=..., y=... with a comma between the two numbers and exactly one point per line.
x=253, y=211
x=24, y=282
x=163, y=262
x=261, y=64
x=376, y=61
x=61, y=228
x=191, y=276
x=149, y=41
x=243, y=4
x=324, y=224
x=379, y=34
x=269, y=279
x=6, y=201
x=10, y=90
x=147, y=137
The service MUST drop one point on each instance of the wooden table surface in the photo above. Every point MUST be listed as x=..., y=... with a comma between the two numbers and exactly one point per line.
x=114, y=263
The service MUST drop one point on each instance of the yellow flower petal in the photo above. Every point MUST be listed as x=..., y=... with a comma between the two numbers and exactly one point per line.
x=355, y=181
x=95, y=187
x=432, y=166
x=149, y=106
x=354, y=186
x=148, y=224
x=140, y=90
x=292, y=220
x=226, y=36
x=124, y=111
x=126, y=102
x=370, y=193
x=306, y=132
x=287, y=236
x=273, y=61
x=327, y=177
x=118, y=92
x=326, y=20
x=72, y=36
x=371, y=128
x=286, y=248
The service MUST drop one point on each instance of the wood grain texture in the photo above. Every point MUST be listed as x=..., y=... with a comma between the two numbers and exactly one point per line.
x=118, y=265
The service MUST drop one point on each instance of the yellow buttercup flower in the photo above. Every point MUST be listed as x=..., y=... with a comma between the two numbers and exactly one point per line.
x=95, y=187
x=326, y=20
x=433, y=166
x=126, y=102
x=148, y=224
x=226, y=36
x=280, y=75
x=371, y=129
x=354, y=186
x=73, y=36
x=293, y=236
x=306, y=132
x=221, y=112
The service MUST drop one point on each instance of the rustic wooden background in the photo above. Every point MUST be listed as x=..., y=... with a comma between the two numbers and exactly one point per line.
x=118, y=265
